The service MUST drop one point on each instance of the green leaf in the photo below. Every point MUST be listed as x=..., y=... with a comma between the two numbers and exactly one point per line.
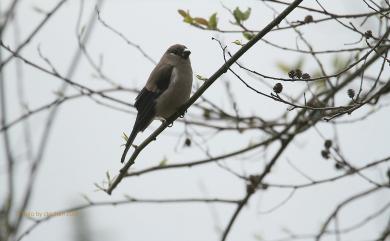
x=109, y=180
x=206, y=114
x=248, y=35
x=182, y=13
x=188, y=19
x=213, y=21
x=86, y=198
x=299, y=64
x=125, y=137
x=283, y=67
x=186, y=16
x=259, y=237
x=201, y=21
x=246, y=15
x=238, y=42
x=237, y=14
x=98, y=187
x=129, y=197
x=163, y=162
x=59, y=93
x=339, y=63
x=251, y=143
x=200, y=77
x=320, y=85
x=241, y=16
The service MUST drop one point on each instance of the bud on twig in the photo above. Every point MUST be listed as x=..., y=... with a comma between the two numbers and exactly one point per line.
x=351, y=93
x=250, y=188
x=254, y=179
x=368, y=34
x=206, y=114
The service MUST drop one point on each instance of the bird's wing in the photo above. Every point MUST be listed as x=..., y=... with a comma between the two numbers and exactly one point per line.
x=145, y=103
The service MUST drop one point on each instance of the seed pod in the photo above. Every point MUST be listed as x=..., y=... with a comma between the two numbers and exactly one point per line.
x=338, y=166
x=328, y=144
x=325, y=154
x=305, y=76
x=291, y=74
x=278, y=87
x=308, y=19
x=298, y=73
x=187, y=142
x=368, y=34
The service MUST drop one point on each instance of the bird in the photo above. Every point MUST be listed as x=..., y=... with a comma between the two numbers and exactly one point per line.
x=166, y=90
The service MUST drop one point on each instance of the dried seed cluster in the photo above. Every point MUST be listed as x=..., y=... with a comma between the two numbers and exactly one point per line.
x=326, y=152
x=298, y=74
x=308, y=19
x=368, y=34
x=278, y=87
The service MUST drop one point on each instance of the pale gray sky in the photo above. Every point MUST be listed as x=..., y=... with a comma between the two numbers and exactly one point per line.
x=86, y=139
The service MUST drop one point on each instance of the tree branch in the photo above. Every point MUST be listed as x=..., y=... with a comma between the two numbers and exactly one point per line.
x=223, y=69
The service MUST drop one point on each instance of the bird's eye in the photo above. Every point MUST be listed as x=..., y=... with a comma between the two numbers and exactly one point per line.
x=174, y=52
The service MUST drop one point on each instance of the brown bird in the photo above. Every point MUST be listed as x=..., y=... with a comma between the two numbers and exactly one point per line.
x=167, y=89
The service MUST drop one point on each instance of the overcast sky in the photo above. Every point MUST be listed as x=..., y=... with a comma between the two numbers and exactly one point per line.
x=86, y=139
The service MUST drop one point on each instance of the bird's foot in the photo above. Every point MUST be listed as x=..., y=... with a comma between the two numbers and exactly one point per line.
x=183, y=113
x=165, y=120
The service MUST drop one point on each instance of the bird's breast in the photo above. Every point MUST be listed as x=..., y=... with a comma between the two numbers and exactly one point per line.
x=177, y=93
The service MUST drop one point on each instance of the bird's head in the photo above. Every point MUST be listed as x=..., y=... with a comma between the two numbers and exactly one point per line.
x=178, y=51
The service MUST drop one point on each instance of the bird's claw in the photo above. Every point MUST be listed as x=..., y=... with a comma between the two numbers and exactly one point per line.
x=183, y=114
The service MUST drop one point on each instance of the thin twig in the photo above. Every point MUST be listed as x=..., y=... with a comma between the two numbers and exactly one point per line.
x=223, y=69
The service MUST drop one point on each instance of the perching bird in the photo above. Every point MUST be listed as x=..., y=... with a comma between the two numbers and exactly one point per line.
x=167, y=89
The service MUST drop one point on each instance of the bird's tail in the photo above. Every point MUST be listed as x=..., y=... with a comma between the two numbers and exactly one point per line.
x=129, y=142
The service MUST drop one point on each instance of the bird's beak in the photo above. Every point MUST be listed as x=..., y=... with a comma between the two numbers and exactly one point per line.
x=186, y=53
